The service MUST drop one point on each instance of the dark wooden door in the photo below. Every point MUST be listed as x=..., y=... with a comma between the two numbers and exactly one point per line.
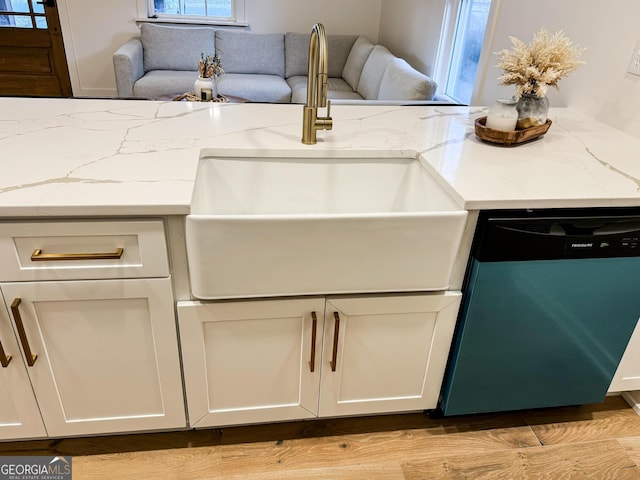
x=32, y=58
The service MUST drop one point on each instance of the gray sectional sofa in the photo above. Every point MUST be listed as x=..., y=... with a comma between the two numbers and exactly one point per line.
x=263, y=67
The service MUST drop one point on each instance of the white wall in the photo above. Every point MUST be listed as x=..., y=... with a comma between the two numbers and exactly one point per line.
x=411, y=30
x=601, y=88
x=359, y=17
x=93, y=30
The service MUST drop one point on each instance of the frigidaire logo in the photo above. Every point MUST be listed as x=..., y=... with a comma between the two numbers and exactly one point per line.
x=35, y=468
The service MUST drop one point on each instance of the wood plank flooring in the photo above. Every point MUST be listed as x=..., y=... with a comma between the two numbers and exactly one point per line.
x=589, y=442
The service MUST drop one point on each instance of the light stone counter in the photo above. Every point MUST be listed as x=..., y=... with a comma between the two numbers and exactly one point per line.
x=81, y=157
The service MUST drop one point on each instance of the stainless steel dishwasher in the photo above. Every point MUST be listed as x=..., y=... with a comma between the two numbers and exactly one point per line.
x=550, y=302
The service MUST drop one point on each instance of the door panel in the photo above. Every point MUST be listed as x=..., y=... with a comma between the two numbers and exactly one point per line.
x=384, y=355
x=19, y=414
x=121, y=325
x=543, y=333
x=390, y=352
x=32, y=58
x=107, y=354
x=249, y=361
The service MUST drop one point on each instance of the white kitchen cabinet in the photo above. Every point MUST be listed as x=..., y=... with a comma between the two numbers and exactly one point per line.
x=19, y=413
x=251, y=361
x=627, y=376
x=102, y=355
x=90, y=324
x=389, y=353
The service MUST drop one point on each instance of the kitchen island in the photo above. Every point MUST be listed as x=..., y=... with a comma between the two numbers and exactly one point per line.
x=120, y=157
x=122, y=172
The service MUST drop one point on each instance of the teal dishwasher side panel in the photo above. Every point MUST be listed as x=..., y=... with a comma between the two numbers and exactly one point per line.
x=541, y=333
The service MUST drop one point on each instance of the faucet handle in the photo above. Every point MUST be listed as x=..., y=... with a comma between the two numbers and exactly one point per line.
x=325, y=123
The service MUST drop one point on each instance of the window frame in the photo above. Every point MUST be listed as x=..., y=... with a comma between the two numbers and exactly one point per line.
x=146, y=13
x=444, y=57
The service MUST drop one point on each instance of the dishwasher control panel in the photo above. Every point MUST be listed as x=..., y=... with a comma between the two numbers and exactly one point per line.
x=610, y=247
x=514, y=238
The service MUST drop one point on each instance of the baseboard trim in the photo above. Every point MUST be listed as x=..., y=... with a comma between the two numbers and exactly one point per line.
x=633, y=399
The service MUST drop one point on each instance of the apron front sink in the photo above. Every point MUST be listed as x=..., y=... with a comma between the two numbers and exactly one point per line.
x=297, y=225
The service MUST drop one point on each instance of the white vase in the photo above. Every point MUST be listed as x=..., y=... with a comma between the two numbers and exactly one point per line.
x=205, y=88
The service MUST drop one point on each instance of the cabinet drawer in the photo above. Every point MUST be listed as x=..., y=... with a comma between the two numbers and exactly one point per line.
x=62, y=250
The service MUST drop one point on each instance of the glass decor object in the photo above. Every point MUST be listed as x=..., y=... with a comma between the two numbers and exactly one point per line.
x=532, y=110
x=502, y=115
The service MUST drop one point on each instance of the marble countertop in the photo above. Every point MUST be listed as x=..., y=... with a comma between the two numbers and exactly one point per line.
x=88, y=157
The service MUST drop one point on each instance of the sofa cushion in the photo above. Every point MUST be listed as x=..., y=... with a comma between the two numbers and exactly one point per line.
x=401, y=81
x=255, y=87
x=298, y=85
x=161, y=82
x=297, y=53
x=337, y=88
x=372, y=72
x=356, y=60
x=175, y=48
x=244, y=52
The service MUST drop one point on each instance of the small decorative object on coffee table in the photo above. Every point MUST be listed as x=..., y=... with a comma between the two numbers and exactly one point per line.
x=209, y=68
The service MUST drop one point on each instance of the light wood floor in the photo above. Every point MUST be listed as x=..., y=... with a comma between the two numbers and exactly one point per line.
x=589, y=442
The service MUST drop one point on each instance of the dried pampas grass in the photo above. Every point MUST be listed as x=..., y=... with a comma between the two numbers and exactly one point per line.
x=535, y=67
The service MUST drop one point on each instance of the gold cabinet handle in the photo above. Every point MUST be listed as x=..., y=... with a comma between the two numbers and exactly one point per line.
x=38, y=256
x=314, y=330
x=4, y=358
x=336, y=330
x=31, y=358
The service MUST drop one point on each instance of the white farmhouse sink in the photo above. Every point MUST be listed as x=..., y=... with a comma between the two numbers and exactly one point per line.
x=295, y=225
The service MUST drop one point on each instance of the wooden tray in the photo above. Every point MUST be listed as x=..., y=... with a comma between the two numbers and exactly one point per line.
x=509, y=139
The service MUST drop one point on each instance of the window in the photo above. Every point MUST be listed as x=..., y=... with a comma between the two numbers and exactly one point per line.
x=197, y=11
x=461, y=44
x=22, y=14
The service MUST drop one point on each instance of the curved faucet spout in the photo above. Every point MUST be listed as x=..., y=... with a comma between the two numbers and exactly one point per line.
x=317, y=78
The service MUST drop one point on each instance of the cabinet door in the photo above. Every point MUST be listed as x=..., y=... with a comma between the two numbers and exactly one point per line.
x=251, y=361
x=627, y=376
x=104, y=354
x=19, y=414
x=389, y=352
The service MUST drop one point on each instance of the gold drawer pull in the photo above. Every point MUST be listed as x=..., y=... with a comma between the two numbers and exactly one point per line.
x=4, y=358
x=314, y=331
x=31, y=358
x=336, y=334
x=38, y=256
